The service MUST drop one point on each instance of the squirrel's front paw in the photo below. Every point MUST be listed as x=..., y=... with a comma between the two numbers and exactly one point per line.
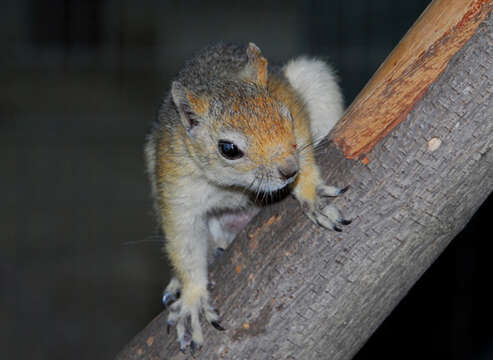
x=184, y=313
x=327, y=216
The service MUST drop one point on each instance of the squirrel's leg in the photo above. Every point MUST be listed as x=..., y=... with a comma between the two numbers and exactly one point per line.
x=317, y=88
x=311, y=190
x=187, y=249
x=219, y=240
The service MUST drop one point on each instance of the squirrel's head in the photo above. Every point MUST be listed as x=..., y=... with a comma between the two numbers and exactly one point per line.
x=237, y=132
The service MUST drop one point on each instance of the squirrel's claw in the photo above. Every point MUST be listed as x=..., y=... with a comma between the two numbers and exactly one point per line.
x=183, y=345
x=344, y=189
x=172, y=293
x=344, y=221
x=330, y=191
x=218, y=252
x=169, y=298
x=194, y=347
x=217, y=325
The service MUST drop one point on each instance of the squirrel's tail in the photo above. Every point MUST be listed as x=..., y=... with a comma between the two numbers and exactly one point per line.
x=317, y=85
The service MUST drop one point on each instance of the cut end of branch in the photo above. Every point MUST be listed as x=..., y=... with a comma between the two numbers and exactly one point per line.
x=405, y=76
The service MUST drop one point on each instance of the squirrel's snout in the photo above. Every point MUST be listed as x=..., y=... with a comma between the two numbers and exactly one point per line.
x=289, y=169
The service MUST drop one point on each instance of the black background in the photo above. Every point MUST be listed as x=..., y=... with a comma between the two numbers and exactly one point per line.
x=80, y=81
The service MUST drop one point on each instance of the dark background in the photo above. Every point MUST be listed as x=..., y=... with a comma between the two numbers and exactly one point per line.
x=80, y=82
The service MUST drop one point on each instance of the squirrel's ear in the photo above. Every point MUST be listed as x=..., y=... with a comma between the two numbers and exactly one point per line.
x=256, y=67
x=191, y=107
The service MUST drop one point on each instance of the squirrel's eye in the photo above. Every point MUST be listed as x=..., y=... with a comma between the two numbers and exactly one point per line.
x=229, y=150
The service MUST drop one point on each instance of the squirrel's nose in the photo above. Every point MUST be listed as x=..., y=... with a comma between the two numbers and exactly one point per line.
x=289, y=169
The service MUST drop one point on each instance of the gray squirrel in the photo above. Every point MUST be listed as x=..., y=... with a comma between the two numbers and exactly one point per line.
x=230, y=129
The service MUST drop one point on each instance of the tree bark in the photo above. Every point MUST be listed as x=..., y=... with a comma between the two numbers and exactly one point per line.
x=288, y=289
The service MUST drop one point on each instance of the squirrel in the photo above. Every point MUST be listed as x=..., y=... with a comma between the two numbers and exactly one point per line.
x=230, y=131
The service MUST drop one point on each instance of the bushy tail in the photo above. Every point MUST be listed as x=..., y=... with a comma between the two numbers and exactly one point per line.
x=317, y=84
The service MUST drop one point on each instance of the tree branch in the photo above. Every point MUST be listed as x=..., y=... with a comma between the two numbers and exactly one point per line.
x=288, y=289
x=404, y=77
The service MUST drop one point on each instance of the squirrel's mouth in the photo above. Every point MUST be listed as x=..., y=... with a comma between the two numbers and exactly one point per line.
x=261, y=197
x=273, y=185
x=270, y=190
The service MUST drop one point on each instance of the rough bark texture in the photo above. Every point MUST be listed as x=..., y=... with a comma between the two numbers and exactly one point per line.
x=288, y=289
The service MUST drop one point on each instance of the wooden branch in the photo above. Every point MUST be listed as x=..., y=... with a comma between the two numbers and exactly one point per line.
x=288, y=289
x=405, y=76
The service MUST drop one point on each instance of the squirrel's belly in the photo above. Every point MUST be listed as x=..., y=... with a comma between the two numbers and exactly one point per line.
x=224, y=226
x=236, y=221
